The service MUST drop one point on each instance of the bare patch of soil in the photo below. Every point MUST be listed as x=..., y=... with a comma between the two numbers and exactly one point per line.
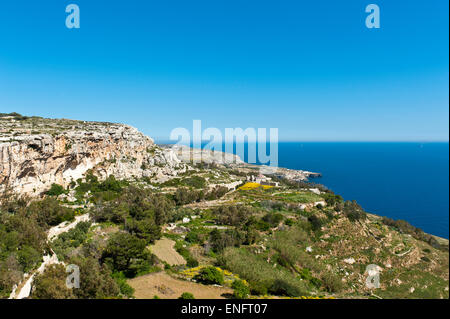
x=166, y=287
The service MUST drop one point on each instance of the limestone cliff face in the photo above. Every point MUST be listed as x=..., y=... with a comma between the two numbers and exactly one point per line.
x=36, y=152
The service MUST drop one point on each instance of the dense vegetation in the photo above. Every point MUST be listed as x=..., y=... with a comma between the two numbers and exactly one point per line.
x=285, y=241
x=103, y=262
x=184, y=195
x=22, y=235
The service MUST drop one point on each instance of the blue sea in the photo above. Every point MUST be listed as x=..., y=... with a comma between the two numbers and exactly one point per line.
x=407, y=181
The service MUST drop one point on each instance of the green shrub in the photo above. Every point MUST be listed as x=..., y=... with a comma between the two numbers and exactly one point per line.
x=332, y=199
x=194, y=237
x=124, y=287
x=210, y=276
x=262, y=225
x=51, y=284
x=258, y=272
x=195, y=181
x=331, y=282
x=315, y=282
x=191, y=262
x=220, y=239
x=233, y=215
x=127, y=253
x=316, y=222
x=186, y=295
x=241, y=290
x=55, y=190
x=49, y=212
x=28, y=257
x=216, y=192
x=353, y=211
x=273, y=219
x=183, y=251
x=185, y=196
x=305, y=274
x=258, y=288
x=96, y=279
x=68, y=241
x=283, y=288
x=329, y=214
x=145, y=229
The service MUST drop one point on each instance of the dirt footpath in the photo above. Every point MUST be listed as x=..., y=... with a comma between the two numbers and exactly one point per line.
x=167, y=287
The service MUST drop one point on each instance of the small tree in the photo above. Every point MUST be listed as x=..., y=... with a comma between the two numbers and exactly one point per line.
x=186, y=295
x=210, y=276
x=316, y=222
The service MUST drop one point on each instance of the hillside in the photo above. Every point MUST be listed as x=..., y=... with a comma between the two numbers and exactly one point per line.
x=140, y=220
x=37, y=152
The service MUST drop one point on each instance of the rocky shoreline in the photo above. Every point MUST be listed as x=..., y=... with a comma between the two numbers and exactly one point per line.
x=194, y=155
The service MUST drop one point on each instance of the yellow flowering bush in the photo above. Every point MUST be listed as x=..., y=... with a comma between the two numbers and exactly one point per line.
x=252, y=185
x=229, y=277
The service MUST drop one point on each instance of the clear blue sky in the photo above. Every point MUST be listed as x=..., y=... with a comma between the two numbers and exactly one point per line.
x=310, y=68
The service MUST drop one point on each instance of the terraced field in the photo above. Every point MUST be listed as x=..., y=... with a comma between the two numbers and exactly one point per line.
x=164, y=286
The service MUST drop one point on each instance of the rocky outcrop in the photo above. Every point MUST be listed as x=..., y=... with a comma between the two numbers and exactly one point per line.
x=197, y=155
x=194, y=155
x=37, y=152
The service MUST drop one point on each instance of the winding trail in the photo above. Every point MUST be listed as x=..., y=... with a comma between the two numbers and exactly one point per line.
x=23, y=290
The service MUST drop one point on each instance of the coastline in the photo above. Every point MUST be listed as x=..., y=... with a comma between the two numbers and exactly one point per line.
x=306, y=175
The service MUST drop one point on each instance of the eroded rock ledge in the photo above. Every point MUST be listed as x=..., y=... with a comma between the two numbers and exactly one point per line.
x=37, y=152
